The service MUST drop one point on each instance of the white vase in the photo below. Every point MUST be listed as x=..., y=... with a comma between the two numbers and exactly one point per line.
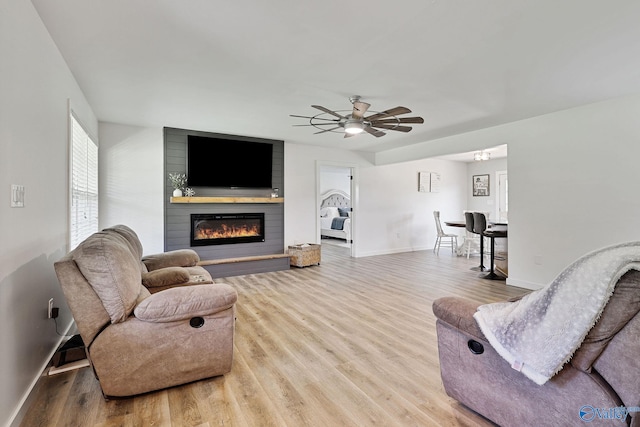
x=177, y=192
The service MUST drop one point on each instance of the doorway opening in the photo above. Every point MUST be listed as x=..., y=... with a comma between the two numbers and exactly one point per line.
x=336, y=206
x=502, y=196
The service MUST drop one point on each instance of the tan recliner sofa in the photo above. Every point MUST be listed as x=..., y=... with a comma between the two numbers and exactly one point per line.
x=137, y=341
x=600, y=386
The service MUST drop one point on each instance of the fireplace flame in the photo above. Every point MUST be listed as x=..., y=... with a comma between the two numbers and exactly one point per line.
x=224, y=231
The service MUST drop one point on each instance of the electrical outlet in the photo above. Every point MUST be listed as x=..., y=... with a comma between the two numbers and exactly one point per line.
x=50, y=309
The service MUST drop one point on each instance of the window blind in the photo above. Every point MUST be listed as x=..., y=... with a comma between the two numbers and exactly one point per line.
x=84, y=184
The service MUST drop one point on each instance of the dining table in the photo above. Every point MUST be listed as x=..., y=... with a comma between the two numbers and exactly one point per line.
x=463, y=224
x=501, y=263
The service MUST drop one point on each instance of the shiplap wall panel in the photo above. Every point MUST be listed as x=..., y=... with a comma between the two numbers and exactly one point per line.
x=177, y=216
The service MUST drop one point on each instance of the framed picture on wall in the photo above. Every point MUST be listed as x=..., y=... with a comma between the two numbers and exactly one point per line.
x=428, y=182
x=480, y=185
x=435, y=182
x=424, y=182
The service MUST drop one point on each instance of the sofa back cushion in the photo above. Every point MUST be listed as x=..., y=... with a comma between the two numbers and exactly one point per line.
x=131, y=239
x=106, y=261
x=623, y=305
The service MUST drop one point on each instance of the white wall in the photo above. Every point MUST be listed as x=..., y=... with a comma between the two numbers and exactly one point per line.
x=395, y=217
x=35, y=85
x=484, y=203
x=132, y=181
x=392, y=216
x=573, y=180
x=335, y=178
x=572, y=183
x=301, y=198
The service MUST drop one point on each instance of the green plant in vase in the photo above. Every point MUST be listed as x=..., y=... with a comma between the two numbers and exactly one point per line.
x=178, y=182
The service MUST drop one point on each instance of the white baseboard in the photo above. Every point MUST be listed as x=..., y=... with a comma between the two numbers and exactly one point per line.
x=68, y=367
x=18, y=414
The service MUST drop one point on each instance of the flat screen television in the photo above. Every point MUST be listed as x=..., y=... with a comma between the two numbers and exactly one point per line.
x=227, y=163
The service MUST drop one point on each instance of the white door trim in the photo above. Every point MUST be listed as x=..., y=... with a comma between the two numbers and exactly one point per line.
x=354, y=200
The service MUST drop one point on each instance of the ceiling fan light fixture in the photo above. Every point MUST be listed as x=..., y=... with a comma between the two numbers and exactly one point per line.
x=355, y=122
x=481, y=156
x=353, y=127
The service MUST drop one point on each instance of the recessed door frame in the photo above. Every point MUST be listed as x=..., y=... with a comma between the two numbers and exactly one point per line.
x=501, y=192
x=354, y=199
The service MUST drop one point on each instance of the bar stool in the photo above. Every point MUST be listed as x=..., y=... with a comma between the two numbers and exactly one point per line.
x=469, y=239
x=494, y=234
x=479, y=227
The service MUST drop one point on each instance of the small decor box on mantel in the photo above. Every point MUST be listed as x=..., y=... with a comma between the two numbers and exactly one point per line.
x=304, y=255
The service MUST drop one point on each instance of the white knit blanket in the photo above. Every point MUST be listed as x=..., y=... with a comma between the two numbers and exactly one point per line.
x=538, y=334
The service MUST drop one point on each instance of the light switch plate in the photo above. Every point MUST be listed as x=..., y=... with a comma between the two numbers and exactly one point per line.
x=17, y=196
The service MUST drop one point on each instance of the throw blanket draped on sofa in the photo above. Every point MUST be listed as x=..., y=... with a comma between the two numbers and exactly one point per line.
x=538, y=334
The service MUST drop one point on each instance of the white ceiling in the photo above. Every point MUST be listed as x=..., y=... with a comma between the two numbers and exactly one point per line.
x=242, y=67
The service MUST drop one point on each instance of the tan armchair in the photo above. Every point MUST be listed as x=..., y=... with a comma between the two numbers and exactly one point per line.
x=167, y=269
x=137, y=342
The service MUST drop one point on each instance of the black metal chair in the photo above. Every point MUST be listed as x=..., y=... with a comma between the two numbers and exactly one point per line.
x=494, y=234
x=479, y=227
x=469, y=237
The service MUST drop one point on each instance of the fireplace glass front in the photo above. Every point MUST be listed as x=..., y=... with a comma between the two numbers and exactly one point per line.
x=223, y=229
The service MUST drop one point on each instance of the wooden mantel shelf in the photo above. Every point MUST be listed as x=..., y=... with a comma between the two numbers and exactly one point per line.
x=227, y=199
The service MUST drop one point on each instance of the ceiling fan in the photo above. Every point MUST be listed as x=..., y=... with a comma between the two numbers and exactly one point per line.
x=353, y=122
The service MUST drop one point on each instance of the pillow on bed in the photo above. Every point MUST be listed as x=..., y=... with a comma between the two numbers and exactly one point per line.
x=329, y=212
x=343, y=211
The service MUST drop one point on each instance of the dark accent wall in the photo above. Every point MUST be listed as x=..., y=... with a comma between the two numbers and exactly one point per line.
x=177, y=215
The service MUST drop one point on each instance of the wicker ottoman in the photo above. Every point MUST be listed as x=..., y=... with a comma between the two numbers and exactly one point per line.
x=304, y=255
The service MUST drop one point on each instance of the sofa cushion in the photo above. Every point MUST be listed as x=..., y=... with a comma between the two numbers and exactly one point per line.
x=458, y=312
x=198, y=275
x=165, y=277
x=130, y=237
x=113, y=272
x=180, y=257
x=186, y=302
x=623, y=305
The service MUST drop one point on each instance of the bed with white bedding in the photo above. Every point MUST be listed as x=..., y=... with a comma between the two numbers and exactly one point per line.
x=335, y=215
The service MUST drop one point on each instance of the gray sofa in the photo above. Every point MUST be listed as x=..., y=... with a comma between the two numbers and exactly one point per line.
x=137, y=341
x=599, y=384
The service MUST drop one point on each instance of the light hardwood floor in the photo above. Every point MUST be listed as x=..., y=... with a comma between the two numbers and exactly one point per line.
x=350, y=342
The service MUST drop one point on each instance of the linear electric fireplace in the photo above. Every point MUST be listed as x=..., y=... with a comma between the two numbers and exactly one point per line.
x=223, y=229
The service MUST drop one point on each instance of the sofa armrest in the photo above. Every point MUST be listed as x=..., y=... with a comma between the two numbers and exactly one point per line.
x=168, y=276
x=177, y=258
x=186, y=302
x=458, y=312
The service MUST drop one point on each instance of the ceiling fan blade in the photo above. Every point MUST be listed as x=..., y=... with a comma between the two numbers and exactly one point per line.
x=418, y=120
x=392, y=127
x=359, y=109
x=326, y=110
x=326, y=130
x=375, y=132
x=391, y=112
x=319, y=124
x=314, y=118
